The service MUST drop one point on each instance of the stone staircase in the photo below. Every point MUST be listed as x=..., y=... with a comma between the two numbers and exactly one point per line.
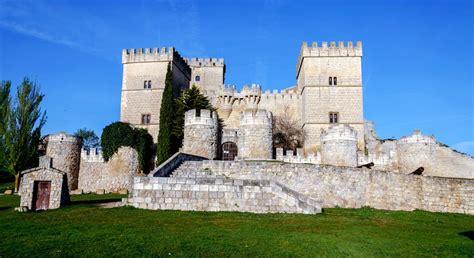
x=191, y=188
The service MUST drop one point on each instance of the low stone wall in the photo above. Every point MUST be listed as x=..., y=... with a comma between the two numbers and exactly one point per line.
x=353, y=187
x=218, y=194
x=165, y=169
x=112, y=176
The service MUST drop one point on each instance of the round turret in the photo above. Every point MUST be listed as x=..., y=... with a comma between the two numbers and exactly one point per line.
x=65, y=150
x=339, y=146
x=200, y=133
x=255, y=135
x=226, y=100
x=414, y=151
x=251, y=93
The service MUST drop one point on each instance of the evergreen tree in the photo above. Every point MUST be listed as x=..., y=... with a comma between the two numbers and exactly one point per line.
x=21, y=129
x=191, y=98
x=89, y=138
x=164, y=147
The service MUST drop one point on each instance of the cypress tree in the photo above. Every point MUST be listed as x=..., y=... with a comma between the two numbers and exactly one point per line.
x=164, y=147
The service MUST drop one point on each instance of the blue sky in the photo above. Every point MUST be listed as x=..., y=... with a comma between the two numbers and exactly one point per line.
x=417, y=64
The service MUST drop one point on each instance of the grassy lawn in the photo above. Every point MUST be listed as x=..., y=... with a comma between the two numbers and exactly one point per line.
x=84, y=229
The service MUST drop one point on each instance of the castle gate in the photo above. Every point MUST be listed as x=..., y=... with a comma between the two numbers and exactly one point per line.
x=229, y=151
x=41, y=192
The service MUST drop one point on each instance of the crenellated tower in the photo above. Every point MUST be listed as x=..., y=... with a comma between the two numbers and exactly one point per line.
x=200, y=133
x=207, y=73
x=251, y=94
x=329, y=79
x=226, y=99
x=144, y=73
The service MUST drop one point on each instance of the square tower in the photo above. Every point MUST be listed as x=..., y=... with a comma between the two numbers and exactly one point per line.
x=329, y=78
x=208, y=74
x=144, y=74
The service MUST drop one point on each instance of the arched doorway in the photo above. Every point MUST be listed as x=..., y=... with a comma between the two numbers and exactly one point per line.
x=229, y=151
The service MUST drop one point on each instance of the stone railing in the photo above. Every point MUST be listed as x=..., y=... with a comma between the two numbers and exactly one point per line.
x=165, y=169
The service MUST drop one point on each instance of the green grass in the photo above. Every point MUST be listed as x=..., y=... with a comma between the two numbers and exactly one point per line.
x=84, y=229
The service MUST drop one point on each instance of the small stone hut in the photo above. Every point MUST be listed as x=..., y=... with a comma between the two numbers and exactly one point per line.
x=44, y=187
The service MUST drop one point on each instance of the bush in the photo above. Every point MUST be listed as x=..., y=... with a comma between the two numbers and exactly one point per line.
x=120, y=134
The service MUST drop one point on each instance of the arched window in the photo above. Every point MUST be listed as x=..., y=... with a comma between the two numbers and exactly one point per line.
x=149, y=84
x=145, y=84
x=330, y=80
x=198, y=78
x=335, y=80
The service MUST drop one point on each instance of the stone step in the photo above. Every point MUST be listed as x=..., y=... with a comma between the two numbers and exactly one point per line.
x=219, y=194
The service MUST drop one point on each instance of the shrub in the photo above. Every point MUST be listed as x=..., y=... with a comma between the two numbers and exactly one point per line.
x=120, y=134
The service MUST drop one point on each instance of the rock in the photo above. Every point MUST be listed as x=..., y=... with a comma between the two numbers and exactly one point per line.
x=8, y=192
x=100, y=191
x=77, y=191
x=21, y=209
x=123, y=191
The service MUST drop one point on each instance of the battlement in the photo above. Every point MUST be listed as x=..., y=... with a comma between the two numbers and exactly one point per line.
x=141, y=55
x=205, y=62
x=260, y=116
x=92, y=155
x=280, y=94
x=341, y=132
x=417, y=137
x=227, y=90
x=251, y=90
x=63, y=137
x=200, y=117
x=328, y=50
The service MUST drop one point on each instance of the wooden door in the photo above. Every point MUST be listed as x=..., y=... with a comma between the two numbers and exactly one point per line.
x=42, y=191
x=229, y=151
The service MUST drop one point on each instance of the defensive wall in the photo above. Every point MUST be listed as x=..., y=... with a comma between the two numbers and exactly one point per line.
x=348, y=187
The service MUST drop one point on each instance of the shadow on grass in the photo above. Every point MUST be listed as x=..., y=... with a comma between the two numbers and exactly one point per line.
x=95, y=201
x=468, y=234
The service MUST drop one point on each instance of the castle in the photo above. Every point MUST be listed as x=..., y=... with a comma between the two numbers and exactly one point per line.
x=342, y=162
x=328, y=90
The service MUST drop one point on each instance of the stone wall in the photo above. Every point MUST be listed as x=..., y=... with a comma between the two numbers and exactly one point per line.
x=200, y=133
x=218, y=194
x=255, y=135
x=65, y=150
x=355, y=187
x=112, y=176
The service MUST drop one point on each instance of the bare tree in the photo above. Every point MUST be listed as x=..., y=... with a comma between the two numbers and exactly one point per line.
x=287, y=132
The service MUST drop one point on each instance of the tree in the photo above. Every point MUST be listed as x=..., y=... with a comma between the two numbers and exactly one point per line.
x=287, y=133
x=23, y=120
x=167, y=114
x=5, y=101
x=191, y=98
x=89, y=138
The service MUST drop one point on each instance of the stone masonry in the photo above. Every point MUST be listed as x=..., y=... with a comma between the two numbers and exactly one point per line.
x=112, y=176
x=200, y=133
x=65, y=150
x=59, y=192
x=255, y=135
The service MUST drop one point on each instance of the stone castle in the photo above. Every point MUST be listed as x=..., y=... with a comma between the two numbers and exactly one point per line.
x=328, y=91
x=342, y=162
